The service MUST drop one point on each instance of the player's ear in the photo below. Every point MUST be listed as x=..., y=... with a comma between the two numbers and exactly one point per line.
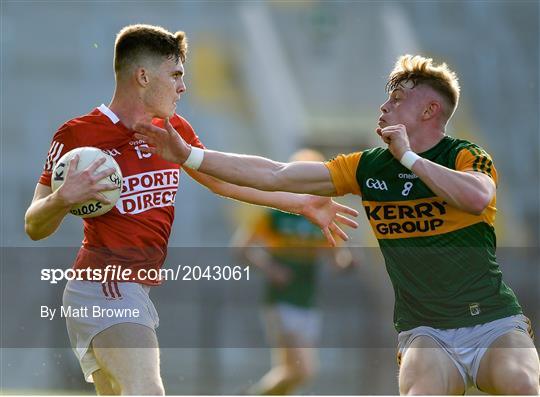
x=432, y=109
x=141, y=76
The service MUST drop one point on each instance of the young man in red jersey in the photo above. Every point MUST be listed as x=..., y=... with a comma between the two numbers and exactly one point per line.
x=430, y=200
x=120, y=354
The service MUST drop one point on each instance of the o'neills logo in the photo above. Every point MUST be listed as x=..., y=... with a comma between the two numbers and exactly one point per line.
x=148, y=190
x=422, y=217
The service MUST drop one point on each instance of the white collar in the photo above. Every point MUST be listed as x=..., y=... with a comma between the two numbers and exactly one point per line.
x=109, y=113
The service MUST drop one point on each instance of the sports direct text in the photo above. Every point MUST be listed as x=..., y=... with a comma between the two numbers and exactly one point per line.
x=148, y=190
x=119, y=273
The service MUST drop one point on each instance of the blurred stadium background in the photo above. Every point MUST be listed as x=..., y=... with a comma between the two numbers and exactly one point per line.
x=267, y=78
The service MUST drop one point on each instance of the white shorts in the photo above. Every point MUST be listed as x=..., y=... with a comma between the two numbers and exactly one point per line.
x=91, y=307
x=284, y=321
x=465, y=346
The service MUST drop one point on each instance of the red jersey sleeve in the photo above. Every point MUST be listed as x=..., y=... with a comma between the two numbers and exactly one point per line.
x=63, y=141
x=186, y=131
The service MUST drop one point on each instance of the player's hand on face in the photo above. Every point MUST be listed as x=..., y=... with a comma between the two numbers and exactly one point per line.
x=82, y=185
x=326, y=213
x=397, y=139
x=165, y=142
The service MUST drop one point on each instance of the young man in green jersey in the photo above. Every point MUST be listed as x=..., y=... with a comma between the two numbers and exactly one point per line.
x=430, y=200
x=289, y=251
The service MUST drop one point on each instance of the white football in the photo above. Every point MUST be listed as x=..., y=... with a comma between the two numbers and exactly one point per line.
x=87, y=155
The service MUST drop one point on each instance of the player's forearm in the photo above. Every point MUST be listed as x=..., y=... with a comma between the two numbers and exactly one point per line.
x=264, y=174
x=243, y=170
x=288, y=202
x=44, y=216
x=460, y=189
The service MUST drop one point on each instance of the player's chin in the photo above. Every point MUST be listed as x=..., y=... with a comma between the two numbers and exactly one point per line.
x=167, y=113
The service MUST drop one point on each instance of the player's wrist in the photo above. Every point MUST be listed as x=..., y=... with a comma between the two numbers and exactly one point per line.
x=61, y=200
x=408, y=159
x=194, y=158
x=298, y=204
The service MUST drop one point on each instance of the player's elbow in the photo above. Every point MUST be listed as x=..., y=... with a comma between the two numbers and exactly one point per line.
x=35, y=237
x=279, y=179
x=475, y=210
x=479, y=196
x=478, y=203
x=268, y=181
x=273, y=181
x=32, y=232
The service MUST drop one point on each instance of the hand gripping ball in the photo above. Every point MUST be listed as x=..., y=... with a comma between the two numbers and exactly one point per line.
x=87, y=155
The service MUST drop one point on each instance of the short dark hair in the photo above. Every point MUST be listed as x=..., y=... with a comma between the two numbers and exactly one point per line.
x=420, y=70
x=135, y=41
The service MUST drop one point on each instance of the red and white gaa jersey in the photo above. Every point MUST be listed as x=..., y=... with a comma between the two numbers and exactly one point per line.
x=135, y=233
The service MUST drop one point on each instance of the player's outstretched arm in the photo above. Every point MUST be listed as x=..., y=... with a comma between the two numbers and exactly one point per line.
x=322, y=211
x=251, y=171
x=48, y=209
x=467, y=190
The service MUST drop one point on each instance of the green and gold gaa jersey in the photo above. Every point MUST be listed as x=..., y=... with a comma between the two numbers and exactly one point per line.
x=292, y=241
x=441, y=260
